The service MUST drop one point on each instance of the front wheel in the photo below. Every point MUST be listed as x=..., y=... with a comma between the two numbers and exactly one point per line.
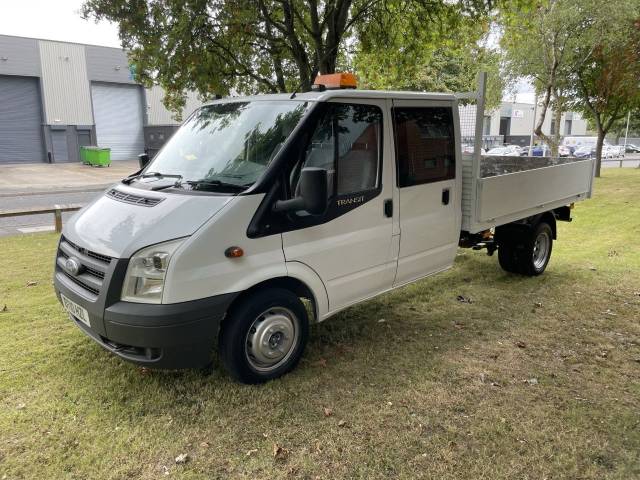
x=264, y=336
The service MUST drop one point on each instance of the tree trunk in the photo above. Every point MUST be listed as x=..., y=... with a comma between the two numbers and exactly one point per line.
x=599, y=144
x=555, y=135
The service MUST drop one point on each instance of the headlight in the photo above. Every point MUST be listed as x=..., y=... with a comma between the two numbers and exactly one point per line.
x=147, y=268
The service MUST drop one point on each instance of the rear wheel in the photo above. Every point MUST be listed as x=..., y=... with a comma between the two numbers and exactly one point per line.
x=264, y=337
x=526, y=251
x=537, y=251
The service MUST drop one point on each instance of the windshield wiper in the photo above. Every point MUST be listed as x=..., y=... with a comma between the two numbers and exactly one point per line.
x=130, y=179
x=217, y=183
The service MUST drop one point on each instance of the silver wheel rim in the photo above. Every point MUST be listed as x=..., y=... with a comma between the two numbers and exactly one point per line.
x=271, y=339
x=541, y=250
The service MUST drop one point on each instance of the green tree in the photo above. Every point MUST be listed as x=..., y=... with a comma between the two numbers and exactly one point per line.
x=619, y=127
x=425, y=53
x=537, y=44
x=249, y=46
x=606, y=59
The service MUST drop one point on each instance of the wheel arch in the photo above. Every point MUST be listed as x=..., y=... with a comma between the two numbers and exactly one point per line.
x=529, y=223
x=292, y=284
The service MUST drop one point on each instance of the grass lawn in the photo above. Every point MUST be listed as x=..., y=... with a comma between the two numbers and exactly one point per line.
x=536, y=378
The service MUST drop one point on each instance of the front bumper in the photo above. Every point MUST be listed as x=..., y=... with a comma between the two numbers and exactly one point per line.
x=171, y=336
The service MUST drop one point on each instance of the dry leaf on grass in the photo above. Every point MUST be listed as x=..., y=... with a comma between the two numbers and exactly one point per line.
x=463, y=299
x=342, y=423
x=32, y=283
x=251, y=452
x=321, y=363
x=279, y=452
x=521, y=344
x=327, y=411
x=4, y=309
x=182, y=458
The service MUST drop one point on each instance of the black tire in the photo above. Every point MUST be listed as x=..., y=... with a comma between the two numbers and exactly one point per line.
x=254, y=330
x=508, y=241
x=519, y=250
x=507, y=256
x=531, y=258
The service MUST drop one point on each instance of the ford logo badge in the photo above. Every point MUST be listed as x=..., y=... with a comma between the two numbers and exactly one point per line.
x=72, y=266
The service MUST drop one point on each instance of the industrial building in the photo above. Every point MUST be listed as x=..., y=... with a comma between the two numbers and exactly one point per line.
x=58, y=96
x=514, y=123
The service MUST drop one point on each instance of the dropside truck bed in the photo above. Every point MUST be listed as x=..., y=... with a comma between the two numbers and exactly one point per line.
x=500, y=190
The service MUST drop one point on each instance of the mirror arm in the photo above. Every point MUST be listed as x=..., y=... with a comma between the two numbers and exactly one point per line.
x=294, y=204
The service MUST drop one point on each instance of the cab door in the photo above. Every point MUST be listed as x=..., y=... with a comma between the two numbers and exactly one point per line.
x=349, y=247
x=428, y=180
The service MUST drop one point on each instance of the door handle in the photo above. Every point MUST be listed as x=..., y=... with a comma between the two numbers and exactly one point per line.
x=445, y=196
x=388, y=208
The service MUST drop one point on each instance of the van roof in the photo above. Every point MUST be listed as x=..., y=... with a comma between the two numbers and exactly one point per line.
x=317, y=96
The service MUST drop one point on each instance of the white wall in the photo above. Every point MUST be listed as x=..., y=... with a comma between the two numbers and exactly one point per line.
x=522, y=120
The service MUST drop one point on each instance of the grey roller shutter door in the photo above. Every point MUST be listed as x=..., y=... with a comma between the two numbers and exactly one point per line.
x=20, y=120
x=117, y=111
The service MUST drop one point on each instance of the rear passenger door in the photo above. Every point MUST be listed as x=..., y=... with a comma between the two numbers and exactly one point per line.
x=428, y=186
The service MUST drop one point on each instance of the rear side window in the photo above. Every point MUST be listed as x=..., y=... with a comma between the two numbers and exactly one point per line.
x=425, y=145
x=346, y=142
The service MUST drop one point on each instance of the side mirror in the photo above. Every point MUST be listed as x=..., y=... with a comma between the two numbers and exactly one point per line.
x=313, y=193
x=143, y=160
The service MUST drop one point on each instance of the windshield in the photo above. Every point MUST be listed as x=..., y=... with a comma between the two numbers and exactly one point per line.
x=228, y=143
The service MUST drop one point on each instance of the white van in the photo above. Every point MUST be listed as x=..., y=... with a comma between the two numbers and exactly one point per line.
x=256, y=203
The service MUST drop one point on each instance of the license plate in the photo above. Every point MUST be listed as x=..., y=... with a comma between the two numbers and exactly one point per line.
x=76, y=310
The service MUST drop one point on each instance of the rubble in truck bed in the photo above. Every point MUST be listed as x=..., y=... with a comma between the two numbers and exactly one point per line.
x=494, y=166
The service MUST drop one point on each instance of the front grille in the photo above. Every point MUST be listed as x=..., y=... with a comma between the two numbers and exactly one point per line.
x=80, y=283
x=133, y=199
x=93, y=266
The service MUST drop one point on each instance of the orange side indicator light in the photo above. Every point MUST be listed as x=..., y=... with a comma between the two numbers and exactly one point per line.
x=334, y=81
x=233, y=252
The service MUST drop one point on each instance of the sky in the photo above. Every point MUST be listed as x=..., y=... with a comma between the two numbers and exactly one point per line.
x=54, y=20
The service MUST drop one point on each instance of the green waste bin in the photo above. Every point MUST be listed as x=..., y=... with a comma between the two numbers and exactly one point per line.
x=96, y=156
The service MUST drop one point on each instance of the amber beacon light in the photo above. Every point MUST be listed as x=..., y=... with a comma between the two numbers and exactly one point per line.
x=334, y=81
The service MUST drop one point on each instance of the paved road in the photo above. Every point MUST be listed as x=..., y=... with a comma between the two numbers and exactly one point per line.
x=38, y=223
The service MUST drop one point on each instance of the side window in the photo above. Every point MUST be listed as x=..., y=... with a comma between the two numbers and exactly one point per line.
x=346, y=142
x=425, y=145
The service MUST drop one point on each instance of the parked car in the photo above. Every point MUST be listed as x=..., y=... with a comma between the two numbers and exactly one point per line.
x=573, y=143
x=585, y=151
x=540, y=151
x=564, y=151
x=619, y=151
x=609, y=151
x=631, y=148
x=507, y=151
